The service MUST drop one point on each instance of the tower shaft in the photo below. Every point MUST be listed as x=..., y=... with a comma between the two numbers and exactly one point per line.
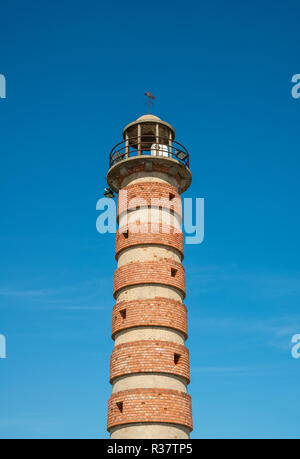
x=149, y=369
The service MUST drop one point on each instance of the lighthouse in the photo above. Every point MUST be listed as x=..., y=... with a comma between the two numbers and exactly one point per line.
x=149, y=366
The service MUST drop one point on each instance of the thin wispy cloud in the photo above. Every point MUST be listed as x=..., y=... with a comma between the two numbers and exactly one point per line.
x=275, y=332
x=84, y=308
x=15, y=291
x=242, y=370
x=259, y=283
x=280, y=325
x=85, y=295
x=222, y=369
x=24, y=293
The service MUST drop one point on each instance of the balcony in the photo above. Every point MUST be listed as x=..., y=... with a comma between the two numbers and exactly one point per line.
x=150, y=145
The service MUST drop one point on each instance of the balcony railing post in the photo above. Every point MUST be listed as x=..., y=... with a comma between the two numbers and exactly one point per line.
x=126, y=146
x=157, y=139
x=170, y=144
x=139, y=139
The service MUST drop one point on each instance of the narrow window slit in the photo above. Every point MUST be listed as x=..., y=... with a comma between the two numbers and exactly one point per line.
x=123, y=313
x=177, y=358
x=120, y=406
x=125, y=234
x=173, y=272
x=171, y=196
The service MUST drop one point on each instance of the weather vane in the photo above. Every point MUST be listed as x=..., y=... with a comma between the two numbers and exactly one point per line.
x=149, y=101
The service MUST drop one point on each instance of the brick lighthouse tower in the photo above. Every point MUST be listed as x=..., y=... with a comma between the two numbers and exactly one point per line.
x=149, y=369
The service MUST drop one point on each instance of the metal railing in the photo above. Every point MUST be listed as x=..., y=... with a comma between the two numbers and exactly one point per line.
x=149, y=145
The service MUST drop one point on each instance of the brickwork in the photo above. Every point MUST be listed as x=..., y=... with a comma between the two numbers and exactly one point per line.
x=149, y=357
x=149, y=193
x=147, y=233
x=163, y=271
x=150, y=405
x=159, y=312
x=141, y=168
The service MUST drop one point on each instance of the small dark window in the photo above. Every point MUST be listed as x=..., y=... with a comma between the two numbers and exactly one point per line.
x=177, y=358
x=125, y=234
x=171, y=196
x=120, y=406
x=173, y=272
x=123, y=313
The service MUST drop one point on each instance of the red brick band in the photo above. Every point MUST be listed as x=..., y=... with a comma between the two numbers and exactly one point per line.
x=150, y=405
x=147, y=233
x=157, y=194
x=150, y=356
x=164, y=271
x=141, y=168
x=158, y=312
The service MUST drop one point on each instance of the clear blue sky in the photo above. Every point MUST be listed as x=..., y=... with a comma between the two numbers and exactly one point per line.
x=76, y=73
